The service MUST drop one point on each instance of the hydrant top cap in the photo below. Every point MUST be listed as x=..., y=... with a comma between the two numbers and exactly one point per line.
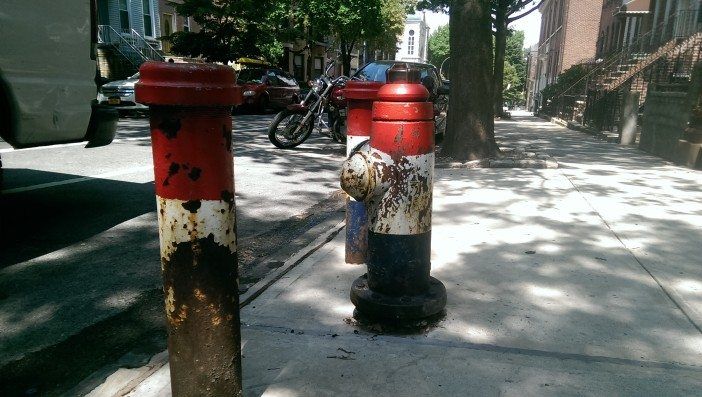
x=403, y=92
x=187, y=84
x=402, y=73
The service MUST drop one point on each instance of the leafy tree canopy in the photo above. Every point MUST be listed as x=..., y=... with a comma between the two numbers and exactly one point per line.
x=230, y=29
x=514, y=82
x=393, y=15
x=439, y=48
x=349, y=22
x=571, y=80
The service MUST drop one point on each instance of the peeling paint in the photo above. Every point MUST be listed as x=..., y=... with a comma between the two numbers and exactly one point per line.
x=402, y=200
x=177, y=223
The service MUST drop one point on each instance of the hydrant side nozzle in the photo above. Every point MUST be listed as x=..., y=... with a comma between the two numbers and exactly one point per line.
x=357, y=176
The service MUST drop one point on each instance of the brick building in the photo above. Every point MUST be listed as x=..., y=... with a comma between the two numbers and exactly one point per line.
x=532, y=59
x=569, y=30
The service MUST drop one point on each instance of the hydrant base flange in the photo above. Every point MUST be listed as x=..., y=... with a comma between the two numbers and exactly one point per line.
x=406, y=307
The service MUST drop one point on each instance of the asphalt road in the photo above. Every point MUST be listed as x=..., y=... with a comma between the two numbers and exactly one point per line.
x=79, y=246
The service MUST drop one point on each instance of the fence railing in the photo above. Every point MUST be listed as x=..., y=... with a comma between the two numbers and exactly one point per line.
x=576, y=102
x=130, y=44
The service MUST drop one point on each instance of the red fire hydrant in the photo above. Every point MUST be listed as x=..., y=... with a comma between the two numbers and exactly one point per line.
x=191, y=133
x=360, y=96
x=394, y=179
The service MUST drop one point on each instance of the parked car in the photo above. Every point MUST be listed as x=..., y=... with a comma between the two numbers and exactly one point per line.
x=120, y=94
x=265, y=88
x=429, y=74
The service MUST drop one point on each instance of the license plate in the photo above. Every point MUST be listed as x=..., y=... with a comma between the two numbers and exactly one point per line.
x=342, y=112
x=114, y=101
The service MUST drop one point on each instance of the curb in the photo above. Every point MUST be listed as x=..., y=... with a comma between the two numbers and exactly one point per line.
x=520, y=159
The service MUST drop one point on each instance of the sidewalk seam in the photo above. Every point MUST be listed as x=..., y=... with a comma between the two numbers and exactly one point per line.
x=393, y=339
x=669, y=294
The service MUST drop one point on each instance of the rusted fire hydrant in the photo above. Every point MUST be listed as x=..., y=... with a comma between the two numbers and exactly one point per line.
x=360, y=96
x=191, y=133
x=394, y=178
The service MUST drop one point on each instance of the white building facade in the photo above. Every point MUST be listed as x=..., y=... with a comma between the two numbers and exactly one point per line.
x=414, y=43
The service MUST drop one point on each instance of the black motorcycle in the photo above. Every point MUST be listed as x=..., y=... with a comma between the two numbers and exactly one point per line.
x=294, y=125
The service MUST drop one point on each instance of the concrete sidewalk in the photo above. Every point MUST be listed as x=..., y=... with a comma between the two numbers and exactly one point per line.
x=583, y=280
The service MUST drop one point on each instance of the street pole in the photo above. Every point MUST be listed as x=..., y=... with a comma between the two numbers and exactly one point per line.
x=191, y=135
x=441, y=68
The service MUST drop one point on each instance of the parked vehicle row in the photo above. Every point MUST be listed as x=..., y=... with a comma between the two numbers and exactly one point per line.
x=263, y=88
x=120, y=94
x=323, y=107
x=293, y=125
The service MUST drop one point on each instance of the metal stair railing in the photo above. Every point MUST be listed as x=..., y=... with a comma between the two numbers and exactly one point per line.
x=110, y=36
x=131, y=45
x=146, y=49
x=682, y=26
x=672, y=47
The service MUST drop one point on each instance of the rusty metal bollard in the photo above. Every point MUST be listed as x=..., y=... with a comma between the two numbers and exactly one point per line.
x=360, y=96
x=394, y=178
x=191, y=133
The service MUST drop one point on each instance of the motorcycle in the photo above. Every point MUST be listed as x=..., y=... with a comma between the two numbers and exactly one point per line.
x=292, y=126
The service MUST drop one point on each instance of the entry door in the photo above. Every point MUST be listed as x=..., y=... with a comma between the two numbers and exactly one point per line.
x=167, y=25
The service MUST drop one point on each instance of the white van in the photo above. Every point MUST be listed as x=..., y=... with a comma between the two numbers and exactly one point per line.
x=47, y=74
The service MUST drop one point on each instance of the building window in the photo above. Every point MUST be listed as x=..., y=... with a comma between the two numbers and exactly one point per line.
x=318, y=65
x=148, y=22
x=186, y=24
x=298, y=70
x=124, y=15
x=410, y=43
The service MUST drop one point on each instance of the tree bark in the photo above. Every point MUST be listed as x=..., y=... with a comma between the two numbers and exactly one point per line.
x=500, y=48
x=470, y=133
x=346, y=49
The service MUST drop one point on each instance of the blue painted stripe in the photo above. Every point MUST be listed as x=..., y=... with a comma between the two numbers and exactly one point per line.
x=356, y=232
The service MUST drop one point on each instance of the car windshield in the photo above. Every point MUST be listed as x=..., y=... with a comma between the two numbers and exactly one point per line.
x=135, y=76
x=373, y=72
x=250, y=76
x=377, y=71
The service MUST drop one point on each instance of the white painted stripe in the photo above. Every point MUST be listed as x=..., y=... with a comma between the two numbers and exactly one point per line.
x=408, y=211
x=178, y=225
x=105, y=175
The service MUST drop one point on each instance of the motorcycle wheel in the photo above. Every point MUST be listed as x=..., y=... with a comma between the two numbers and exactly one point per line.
x=281, y=129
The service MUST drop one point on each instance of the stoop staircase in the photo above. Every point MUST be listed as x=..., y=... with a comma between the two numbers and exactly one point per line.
x=130, y=47
x=638, y=62
x=664, y=58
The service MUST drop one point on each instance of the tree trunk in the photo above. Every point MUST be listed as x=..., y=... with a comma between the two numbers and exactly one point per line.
x=346, y=57
x=470, y=133
x=500, y=48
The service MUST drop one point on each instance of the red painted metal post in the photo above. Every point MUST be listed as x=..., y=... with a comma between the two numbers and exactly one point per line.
x=360, y=96
x=394, y=178
x=191, y=132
